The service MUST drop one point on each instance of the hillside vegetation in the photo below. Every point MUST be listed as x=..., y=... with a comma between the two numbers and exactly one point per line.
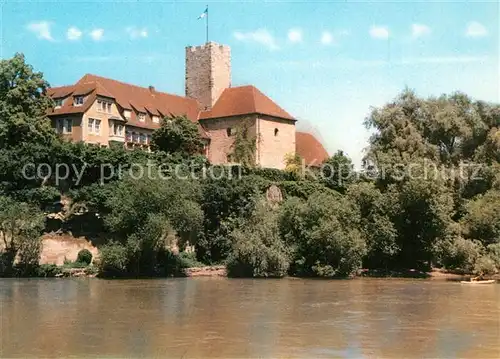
x=427, y=196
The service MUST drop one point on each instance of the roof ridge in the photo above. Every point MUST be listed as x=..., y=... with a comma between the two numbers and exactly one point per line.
x=133, y=85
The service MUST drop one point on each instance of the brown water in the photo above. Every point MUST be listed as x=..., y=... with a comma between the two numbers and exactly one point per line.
x=223, y=318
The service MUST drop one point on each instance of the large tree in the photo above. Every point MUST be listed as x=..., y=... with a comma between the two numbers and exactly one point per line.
x=177, y=135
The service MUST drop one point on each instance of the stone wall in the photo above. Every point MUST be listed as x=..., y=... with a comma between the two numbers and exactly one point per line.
x=220, y=142
x=276, y=139
x=208, y=72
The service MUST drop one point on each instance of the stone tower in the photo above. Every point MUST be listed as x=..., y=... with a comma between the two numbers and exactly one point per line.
x=208, y=72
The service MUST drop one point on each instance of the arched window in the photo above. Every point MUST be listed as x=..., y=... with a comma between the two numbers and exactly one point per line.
x=276, y=131
x=229, y=131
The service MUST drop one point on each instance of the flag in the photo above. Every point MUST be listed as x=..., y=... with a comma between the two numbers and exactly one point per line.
x=203, y=14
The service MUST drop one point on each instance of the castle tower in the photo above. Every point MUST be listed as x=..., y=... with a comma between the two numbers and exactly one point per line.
x=208, y=72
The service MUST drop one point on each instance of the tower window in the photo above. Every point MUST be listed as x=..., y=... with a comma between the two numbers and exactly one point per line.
x=276, y=131
x=229, y=131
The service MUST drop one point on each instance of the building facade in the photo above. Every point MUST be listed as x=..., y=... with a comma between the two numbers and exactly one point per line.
x=103, y=111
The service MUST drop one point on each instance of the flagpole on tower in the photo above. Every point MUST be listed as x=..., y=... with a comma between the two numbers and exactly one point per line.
x=207, y=22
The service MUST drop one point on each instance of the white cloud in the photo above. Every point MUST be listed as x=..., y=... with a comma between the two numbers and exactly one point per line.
x=379, y=32
x=97, y=34
x=73, y=34
x=326, y=38
x=419, y=30
x=136, y=33
x=295, y=35
x=475, y=29
x=41, y=30
x=260, y=36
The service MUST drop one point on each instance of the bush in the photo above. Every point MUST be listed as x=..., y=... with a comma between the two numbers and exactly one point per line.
x=457, y=253
x=494, y=253
x=188, y=260
x=484, y=265
x=113, y=259
x=258, y=250
x=323, y=235
x=84, y=256
x=48, y=270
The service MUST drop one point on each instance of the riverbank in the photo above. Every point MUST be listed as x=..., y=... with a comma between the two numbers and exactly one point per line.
x=220, y=271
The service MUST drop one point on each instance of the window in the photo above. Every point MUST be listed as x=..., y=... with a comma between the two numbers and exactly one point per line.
x=230, y=132
x=90, y=125
x=116, y=128
x=142, y=116
x=64, y=125
x=78, y=100
x=135, y=137
x=126, y=114
x=58, y=102
x=143, y=138
x=148, y=139
x=229, y=158
x=129, y=136
x=276, y=131
x=68, y=126
x=120, y=130
x=94, y=126
x=156, y=119
x=97, y=127
x=104, y=106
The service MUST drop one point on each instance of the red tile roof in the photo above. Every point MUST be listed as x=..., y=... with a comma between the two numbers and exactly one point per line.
x=142, y=98
x=310, y=149
x=244, y=100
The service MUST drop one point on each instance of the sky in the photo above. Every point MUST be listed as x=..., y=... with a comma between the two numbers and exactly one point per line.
x=325, y=62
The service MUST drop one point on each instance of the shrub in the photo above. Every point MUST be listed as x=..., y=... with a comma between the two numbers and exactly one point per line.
x=323, y=235
x=494, y=253
x=113, y=259
x=258, y=250
x=84, y=256
x=457, y=253
x=48, y=270
x=484, y=265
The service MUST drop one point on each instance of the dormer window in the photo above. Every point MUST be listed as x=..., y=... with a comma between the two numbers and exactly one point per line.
x=78, y=100
x=142, y=116
x=126, y=114
x=58, y=102
x=104, y=106
x=156, y=119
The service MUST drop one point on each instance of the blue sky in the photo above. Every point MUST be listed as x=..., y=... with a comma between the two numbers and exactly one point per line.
x=326, y=62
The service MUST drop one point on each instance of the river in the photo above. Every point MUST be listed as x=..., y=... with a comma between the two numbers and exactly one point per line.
x=232, y=318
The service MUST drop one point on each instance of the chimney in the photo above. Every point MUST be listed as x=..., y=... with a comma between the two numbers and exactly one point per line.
x=208, y=72
x=151, y=89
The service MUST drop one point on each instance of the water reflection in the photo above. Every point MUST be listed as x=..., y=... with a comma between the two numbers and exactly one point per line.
x=223, y=318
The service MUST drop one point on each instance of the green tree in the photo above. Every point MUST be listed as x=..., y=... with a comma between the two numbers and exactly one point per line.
x=177, y=135
x=337, y=172
x=377, y=214
x=482, y=220
x=21, y=225
x=257, y=249
x=26, y=136
x=23, y=105
x=323, y=235
x=225, y=203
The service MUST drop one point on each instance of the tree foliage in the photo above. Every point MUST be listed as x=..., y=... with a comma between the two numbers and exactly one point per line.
x=177, y=135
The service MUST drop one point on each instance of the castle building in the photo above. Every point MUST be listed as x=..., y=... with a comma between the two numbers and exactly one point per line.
x=101, y=111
